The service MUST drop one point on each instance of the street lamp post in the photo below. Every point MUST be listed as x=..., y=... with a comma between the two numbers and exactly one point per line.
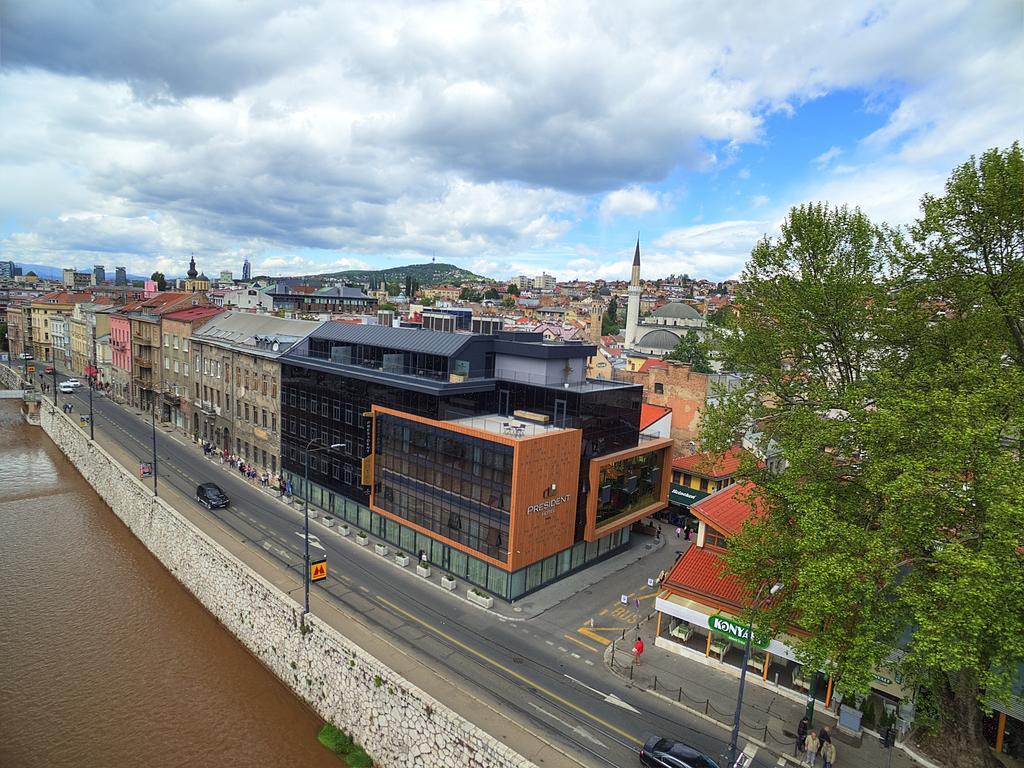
x=152, y=418
x=310, y=449
x=54, y=367
x=743, y=673
x=92, y=386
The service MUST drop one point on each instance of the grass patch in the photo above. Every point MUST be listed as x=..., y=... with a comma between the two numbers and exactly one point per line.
x=341, y=744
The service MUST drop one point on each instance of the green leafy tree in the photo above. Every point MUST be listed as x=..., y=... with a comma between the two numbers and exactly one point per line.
x=608, y=326
x=613, y=310
x=393, y=288
x=387, y=305
x=468, y=294
x=898, y=519
x=158, y=278
x=690, y=349
x=3, y=335
x=513, y=289
x=492, y=293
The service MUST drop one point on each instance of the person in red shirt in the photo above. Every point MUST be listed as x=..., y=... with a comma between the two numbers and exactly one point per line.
x=638, y=650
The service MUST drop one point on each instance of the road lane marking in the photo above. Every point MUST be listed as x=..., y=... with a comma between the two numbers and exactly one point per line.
x=580, y=642
x=611, y=698
x=314, y=541
x=569, y=726
x=511, y=672
x=594, y=636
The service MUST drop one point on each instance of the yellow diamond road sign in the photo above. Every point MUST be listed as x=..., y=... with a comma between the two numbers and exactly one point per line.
x=318, y=570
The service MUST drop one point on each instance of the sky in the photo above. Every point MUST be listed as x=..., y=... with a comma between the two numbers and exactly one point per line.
x=504, y=137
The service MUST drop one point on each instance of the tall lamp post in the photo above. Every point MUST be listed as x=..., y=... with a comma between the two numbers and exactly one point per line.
x=152, y=418
x=92, y=386
x=743, y=671
x=310, y=449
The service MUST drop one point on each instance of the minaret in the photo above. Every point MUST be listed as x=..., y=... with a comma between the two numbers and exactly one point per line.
x=633, y=307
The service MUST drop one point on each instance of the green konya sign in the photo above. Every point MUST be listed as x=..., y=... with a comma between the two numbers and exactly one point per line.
x=735, y=631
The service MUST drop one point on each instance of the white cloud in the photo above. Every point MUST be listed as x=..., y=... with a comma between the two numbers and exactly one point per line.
x=631, y=201
x=827, y=157
x=486, y=133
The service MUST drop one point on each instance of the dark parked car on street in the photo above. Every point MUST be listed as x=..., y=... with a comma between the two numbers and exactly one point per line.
x=211, y=496
x=665, y=753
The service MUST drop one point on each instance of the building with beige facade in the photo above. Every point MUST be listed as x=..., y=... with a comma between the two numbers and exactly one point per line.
x=236, y=384
x=176, y=372
x=146, y=342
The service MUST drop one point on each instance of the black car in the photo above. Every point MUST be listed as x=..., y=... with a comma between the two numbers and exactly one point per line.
x=211, y=496
x=665, y=753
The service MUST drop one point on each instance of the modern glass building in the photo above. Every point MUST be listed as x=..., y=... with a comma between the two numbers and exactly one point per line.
x=491, y=456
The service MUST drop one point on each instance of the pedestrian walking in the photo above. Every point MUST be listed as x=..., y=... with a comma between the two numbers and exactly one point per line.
x=657, y=533
x=679, y=531
x=811, y=745
x=801, y=734
x=828, y=754
x=824, y=737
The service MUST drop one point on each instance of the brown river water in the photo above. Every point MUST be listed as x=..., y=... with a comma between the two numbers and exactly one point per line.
x=105, y=660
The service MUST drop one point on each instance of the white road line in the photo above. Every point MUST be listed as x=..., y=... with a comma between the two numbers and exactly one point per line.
x=574, y=655
x=549, y=642
x=314, y=541
x=563, y=649
x=574, y=728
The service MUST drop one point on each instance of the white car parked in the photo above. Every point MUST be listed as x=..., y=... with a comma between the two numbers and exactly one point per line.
x=66, y=388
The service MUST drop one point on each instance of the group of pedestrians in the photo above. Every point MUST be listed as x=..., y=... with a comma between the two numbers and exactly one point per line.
x=812, y=744
x=245, y=469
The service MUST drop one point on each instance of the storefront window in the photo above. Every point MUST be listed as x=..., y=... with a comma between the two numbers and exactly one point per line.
x=628, y=485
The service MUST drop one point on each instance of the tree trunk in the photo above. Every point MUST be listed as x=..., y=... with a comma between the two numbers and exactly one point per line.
x=959, y=741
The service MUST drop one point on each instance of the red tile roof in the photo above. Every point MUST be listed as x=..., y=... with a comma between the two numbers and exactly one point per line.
x=729, y=508
x=701, y=572
x=648, y=364
x=193, y=313
x=651, y=413
x=708, y=464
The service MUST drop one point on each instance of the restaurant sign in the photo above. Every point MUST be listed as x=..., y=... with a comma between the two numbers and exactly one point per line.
x=683, y=496
x=735, y=631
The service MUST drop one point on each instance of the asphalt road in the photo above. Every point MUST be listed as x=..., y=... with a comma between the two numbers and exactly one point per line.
x=518, y=667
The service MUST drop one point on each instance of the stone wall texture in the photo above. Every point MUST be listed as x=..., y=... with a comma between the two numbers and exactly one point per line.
x=398, y=724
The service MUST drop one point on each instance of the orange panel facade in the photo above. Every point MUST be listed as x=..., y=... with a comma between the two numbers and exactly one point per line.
x=663, y=460
x=545, y=487
x=545, y=490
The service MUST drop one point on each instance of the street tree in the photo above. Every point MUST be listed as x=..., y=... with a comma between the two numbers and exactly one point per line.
x=897, y=523
x=158, y=278
x=690, y=349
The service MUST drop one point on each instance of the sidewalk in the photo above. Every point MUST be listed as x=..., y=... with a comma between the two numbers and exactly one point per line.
x=768, y=719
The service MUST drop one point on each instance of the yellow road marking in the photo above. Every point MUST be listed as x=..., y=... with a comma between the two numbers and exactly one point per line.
x=580, y=642
x=511, y=672
x=593, y=636
x=648, y=597
x=602, y=613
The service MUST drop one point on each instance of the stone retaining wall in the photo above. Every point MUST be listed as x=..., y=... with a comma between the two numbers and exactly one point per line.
x=398, y=724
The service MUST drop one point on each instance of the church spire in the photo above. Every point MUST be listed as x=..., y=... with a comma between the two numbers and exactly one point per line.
x=192, y=272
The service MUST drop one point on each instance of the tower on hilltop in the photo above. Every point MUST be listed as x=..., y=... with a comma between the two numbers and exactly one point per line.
x=633, y=306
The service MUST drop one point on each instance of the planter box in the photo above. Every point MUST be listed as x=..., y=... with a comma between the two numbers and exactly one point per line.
x=849, y=719
x=484, y=601
x=312, y=514
x=344, y=530
x=362, y=539
x=381, y=549
x=402, y=559
x=328, y=521
x=448, y=583
x=423, y=570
